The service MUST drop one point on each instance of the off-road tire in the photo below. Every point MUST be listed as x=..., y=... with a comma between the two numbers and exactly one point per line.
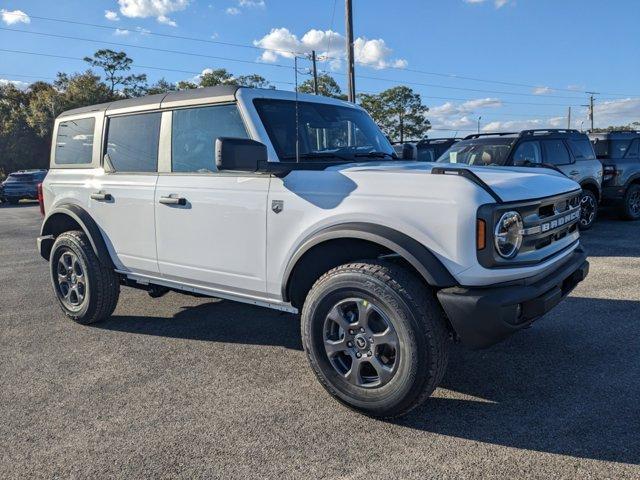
x=627, y=211
x=423, y=336
x=102, y=285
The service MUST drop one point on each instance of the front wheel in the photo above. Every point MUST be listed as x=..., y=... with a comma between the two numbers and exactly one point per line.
x=86, y=289
x=588, y=209
x=631, y=205
x=375, y=337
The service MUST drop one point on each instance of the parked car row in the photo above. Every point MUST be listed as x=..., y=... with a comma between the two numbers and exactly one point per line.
x=20, y=185
x=606, y=165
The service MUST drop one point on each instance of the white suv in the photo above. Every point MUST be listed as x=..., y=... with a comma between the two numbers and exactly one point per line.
x=212, y=192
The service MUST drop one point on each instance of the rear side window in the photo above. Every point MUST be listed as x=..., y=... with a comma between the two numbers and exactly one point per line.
x=132, y=142
x=194, y=132
x=555, y=152
x=74, y=142
x=582, y=149
x=426, y=155
x=634, y=149
x=527, y=153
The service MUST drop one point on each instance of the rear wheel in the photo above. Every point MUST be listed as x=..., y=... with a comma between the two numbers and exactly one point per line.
x=631, y=205
x=588, y=209
x=87, y=290
x=375, y=337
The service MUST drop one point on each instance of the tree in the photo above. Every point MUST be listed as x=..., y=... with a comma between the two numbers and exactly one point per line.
x=161, y=86
x=218, y=76
x=327, y=86
x=114, y=65
x=399, y=112
x=82, y=89
x=186, y=85
x=254, y=81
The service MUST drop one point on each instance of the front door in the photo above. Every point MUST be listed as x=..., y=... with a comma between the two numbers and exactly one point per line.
x=210, y=225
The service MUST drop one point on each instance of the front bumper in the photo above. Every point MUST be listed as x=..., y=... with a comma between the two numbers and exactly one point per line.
x=483, y=316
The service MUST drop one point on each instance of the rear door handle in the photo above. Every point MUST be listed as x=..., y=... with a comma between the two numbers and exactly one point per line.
x=101, y=196
x=171, y=200
x=574, y=172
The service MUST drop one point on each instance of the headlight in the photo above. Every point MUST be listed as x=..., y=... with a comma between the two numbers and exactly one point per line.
x=508, y=234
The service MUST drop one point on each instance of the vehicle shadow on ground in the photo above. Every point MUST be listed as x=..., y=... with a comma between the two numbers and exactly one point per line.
x=612, y=236
x=569, y=387
x=217, y=321
x=24, y=204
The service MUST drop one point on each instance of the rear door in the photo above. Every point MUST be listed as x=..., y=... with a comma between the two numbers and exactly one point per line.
x=211, y=225
x=122, y=199
x=555, y=152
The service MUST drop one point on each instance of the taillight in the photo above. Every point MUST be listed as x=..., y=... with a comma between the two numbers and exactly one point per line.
x=41, y=199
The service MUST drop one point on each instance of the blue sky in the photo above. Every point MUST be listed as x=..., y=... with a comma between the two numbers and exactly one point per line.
x=526, y=60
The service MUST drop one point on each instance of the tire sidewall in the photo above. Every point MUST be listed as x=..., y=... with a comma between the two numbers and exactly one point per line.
x=64, y=243
x=627, y=210
x=413, y=349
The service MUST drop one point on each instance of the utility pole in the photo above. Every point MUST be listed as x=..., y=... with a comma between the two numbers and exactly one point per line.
x=315, y=72
x=351, y=76
x=569, y=119
x=479, y=118
x=590, y=106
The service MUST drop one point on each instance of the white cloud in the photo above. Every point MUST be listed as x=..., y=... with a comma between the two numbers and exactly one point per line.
x=280, y=42
x=515, y=125
x=15, y=16
x=497, y=3
x=16, y=83
x=252, y=3
x=542, y=90
x=576, y=88
x=159, y=9
x=616, y=112
x=232, y=11
x=121, y=32
x=111, y=15
x=460, y=116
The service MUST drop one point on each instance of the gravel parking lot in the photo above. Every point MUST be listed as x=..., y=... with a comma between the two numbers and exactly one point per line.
x=187, y=387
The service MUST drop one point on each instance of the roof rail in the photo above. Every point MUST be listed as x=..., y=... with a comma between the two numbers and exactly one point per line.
x=478, y=135
x=428, y=141
x=548, y=131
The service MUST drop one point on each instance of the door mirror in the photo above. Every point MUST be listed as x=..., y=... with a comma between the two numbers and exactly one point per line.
x=409, y=152
x=239, y=154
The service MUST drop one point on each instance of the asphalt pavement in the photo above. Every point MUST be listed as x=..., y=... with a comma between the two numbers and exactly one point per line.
x=198, y=388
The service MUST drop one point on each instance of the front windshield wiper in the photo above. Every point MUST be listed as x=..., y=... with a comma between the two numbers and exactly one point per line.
x=375, y=154
x=528, y=163
x=307, y=155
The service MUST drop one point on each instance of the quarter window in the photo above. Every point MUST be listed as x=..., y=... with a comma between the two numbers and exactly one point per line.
x=194, y=133
x=527, y=153
x=132, y=142
x=74, y=142
x=555, y=152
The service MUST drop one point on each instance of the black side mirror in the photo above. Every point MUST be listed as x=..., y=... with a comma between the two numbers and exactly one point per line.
x=239, y=154
x=409, y=151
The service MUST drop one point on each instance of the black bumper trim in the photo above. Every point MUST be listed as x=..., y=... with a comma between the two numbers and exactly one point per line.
x=483, y=316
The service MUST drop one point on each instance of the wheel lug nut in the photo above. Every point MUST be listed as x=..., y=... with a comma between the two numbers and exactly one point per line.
x=358, y=354
x=371, y=339
x=351, y=332
x=349, y=344
x=362, y=329
x=369, y=353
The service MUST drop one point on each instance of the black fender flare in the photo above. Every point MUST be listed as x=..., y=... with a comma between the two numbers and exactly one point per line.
x=593, y=184
x=418, y=256
x=87, y=224
x=634, y=178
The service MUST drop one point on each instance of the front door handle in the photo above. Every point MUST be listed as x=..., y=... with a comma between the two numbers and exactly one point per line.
x=101, y=196
x=171, y=200
x=574, y=172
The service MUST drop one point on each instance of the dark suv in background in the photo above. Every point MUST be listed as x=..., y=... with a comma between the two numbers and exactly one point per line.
x=427, y=150
x=567, y=151
x=619, y=152
x=21, y=184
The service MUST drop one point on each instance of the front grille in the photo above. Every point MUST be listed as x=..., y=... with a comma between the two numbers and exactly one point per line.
x=550, y=226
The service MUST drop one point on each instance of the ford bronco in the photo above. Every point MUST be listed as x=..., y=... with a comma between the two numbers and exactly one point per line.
x=298, y=203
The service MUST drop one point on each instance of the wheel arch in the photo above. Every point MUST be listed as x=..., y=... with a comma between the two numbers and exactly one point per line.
x=69, y=217
x=592, y=186
x=339, y=244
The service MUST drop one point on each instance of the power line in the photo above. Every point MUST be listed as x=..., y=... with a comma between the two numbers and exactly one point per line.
x=325, y=57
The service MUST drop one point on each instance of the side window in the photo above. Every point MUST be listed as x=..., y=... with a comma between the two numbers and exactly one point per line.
x=426, y=155
x=527, y=153
x=582, y=149
x=74, y=142
x=132, y=142
x=555, y=152
x=634, y=149
x=194, y=132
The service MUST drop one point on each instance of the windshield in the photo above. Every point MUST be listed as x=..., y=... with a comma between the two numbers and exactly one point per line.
x=325, y=132
x=482, y=152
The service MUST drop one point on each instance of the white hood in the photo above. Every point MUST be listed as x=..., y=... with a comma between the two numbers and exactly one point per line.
x=509, y=183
